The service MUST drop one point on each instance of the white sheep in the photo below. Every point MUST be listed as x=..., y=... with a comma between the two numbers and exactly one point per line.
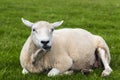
x=62, y=50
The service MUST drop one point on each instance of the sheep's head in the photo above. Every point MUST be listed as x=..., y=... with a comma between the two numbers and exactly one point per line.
x=41, y=32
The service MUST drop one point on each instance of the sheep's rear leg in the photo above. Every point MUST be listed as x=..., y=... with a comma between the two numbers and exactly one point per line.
x=107, y=70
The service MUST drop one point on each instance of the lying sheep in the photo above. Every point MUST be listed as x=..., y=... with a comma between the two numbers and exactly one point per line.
x=62, y=50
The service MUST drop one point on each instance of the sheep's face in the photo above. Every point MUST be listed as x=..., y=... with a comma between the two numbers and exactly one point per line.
x=42, y=33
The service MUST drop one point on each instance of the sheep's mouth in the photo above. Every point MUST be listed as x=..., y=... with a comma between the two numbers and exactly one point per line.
x=47, y=48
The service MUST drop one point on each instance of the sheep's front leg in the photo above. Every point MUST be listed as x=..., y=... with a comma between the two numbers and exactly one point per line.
x=69, y=72
x=105, y=62
x=53, y=72
x=24, y=71
x=61, y=66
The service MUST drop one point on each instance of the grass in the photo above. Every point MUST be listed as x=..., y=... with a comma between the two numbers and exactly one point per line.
x=100, y=17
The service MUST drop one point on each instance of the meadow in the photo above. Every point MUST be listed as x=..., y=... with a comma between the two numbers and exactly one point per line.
x=101, y=17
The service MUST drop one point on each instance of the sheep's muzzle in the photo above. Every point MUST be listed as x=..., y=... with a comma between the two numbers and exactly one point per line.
x=47, y=48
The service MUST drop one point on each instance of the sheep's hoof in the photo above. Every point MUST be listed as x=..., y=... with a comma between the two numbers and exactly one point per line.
x=106, y=72
x=68, y=72
x=86, y=71
x=53, y=72
x=24, y=71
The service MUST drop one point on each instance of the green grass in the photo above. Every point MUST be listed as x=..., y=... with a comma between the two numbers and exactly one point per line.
x=100, y=17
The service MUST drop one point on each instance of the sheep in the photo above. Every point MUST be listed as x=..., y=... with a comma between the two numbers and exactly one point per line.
x=63, y=50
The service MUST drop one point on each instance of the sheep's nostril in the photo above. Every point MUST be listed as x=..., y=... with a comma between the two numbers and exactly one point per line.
x=44, y=42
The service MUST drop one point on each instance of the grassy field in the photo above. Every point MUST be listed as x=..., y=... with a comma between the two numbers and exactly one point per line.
x=100, y=17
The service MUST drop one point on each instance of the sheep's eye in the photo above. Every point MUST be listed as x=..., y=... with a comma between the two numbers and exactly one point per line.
x=34, y=30
x=52, y=30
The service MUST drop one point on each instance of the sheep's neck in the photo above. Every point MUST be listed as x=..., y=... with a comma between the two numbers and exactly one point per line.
x=36, y=53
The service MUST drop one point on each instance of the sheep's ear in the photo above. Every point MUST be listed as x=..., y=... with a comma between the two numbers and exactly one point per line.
x=56, y=24
x=27, y=23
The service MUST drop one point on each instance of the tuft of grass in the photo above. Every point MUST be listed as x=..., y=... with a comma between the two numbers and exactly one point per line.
x=101, y=17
